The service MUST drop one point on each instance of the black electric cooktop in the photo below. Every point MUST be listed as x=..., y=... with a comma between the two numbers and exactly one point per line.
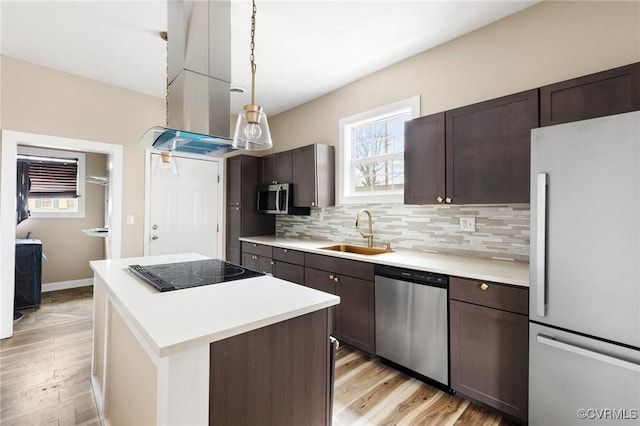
x=176, y=276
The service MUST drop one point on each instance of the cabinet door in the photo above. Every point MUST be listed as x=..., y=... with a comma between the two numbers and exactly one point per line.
x=596, y=95
x=424, y=160
x=250, y=261
x=277, y=168
x=268, y=167
x=284, y=167
x=323, y=281
x=233, y=233
x=289, y=272
x=265, y=264
x=488, y=150
x=314, y=176
x=489, y=356
x=354, y=318
x=234, y=180
x=304, y=177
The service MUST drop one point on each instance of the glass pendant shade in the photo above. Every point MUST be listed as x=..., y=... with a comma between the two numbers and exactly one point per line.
x=166, y=166
x=252, y=130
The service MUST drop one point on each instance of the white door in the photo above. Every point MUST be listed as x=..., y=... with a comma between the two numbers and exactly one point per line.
x=183, y=209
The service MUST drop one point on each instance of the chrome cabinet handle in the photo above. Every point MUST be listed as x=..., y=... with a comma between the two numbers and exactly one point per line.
x=331, y=276
x=335, y=279
x=484, y=286
x=550, y=341
x=439, y=199
x=285, y=250
x=541, y=248
x=273, y=263
x=447, y=200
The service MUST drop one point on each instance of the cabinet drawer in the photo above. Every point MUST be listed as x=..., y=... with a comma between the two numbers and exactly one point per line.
x=494, y=295
x=259, y=249
x=352, y=268
x=289, y=256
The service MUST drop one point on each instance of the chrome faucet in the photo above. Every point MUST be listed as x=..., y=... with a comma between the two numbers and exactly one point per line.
x=368, y=235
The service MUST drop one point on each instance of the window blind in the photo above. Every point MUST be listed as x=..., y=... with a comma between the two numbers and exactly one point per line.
x=53, y=177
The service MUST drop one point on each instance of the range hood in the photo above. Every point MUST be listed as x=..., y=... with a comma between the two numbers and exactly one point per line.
x=199, y=76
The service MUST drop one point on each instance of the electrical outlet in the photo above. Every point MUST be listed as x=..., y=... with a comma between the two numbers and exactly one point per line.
x=468, y=224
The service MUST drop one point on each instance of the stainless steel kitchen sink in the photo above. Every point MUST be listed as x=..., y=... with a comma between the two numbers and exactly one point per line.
x=351, y=248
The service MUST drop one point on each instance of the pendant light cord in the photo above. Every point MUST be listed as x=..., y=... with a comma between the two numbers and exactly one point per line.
x=251, y=57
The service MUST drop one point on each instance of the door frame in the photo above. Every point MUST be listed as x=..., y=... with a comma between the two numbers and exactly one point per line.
x=9, y=150
x=147, y=195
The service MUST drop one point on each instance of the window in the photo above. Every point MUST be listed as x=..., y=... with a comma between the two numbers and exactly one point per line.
x=57, y=182
x=371, y=162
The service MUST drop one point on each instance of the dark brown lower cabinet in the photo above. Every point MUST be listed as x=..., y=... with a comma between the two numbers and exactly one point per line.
x=354, y=316
x=275, y=375
x=489, y=347
x=257, y=263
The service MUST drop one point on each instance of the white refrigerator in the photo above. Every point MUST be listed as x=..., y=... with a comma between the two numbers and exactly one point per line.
x=584, y=310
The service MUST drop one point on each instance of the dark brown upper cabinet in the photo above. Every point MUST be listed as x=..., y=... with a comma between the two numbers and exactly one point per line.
x=488, y=150
x=424, y=160
x=477, y=154
x=596, y=95
x=314, y=176
x=277, y=168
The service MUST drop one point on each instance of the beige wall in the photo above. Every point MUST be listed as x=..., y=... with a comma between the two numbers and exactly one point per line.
x=45, y=101
x=549, y=42
x=67, y=248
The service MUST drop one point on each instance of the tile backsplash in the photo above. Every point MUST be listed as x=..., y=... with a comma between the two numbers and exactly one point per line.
x=502, y=231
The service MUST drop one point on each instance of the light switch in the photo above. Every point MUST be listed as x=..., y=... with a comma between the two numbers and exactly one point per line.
x=468, y=224
x=130, y=219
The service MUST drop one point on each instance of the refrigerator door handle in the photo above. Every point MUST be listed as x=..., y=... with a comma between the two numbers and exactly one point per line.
x=550, y=341
x=541, y=247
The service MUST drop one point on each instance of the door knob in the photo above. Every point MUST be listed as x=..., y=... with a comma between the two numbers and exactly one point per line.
x=155, y=237
x=154, y=227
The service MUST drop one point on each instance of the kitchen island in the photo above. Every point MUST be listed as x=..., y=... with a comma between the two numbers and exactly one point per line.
x=214, y=354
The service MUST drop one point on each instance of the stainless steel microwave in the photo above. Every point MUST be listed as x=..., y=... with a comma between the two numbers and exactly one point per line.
x=275, y=198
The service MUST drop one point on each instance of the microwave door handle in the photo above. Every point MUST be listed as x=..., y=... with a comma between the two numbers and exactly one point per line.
x=278, y=198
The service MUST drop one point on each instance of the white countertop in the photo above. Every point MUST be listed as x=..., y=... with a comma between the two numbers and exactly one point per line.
x=173, y=321
x=499, y=271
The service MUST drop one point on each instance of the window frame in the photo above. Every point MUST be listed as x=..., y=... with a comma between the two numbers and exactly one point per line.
x=80, y=213
x=346, y=195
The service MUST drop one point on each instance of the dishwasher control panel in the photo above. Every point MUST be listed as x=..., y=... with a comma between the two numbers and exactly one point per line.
x=423, y=277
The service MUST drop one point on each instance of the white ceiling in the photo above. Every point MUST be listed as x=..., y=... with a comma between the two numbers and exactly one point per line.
x=304, y=48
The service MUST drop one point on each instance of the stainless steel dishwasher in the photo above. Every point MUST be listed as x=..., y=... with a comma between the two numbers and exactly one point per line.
x=412, y=321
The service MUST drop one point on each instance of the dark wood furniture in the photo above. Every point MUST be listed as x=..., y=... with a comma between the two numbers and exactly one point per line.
x=424, y=160
x=275, y=375
x=28, y=274
x=596, y=95
x=488, y=150
x=243, y=178
x=489, y=344
x=477, y=154
x=288, y=265
x=353, y=281
x=277, y=168
x=314, y=176
x=257, y=257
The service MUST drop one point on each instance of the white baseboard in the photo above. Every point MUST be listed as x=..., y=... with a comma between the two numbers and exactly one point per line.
x=62, y=285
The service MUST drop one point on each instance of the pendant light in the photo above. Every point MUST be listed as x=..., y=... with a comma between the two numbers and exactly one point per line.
x=252, y=129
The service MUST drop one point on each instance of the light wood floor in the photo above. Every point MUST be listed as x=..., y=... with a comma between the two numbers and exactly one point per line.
x=45, y=368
